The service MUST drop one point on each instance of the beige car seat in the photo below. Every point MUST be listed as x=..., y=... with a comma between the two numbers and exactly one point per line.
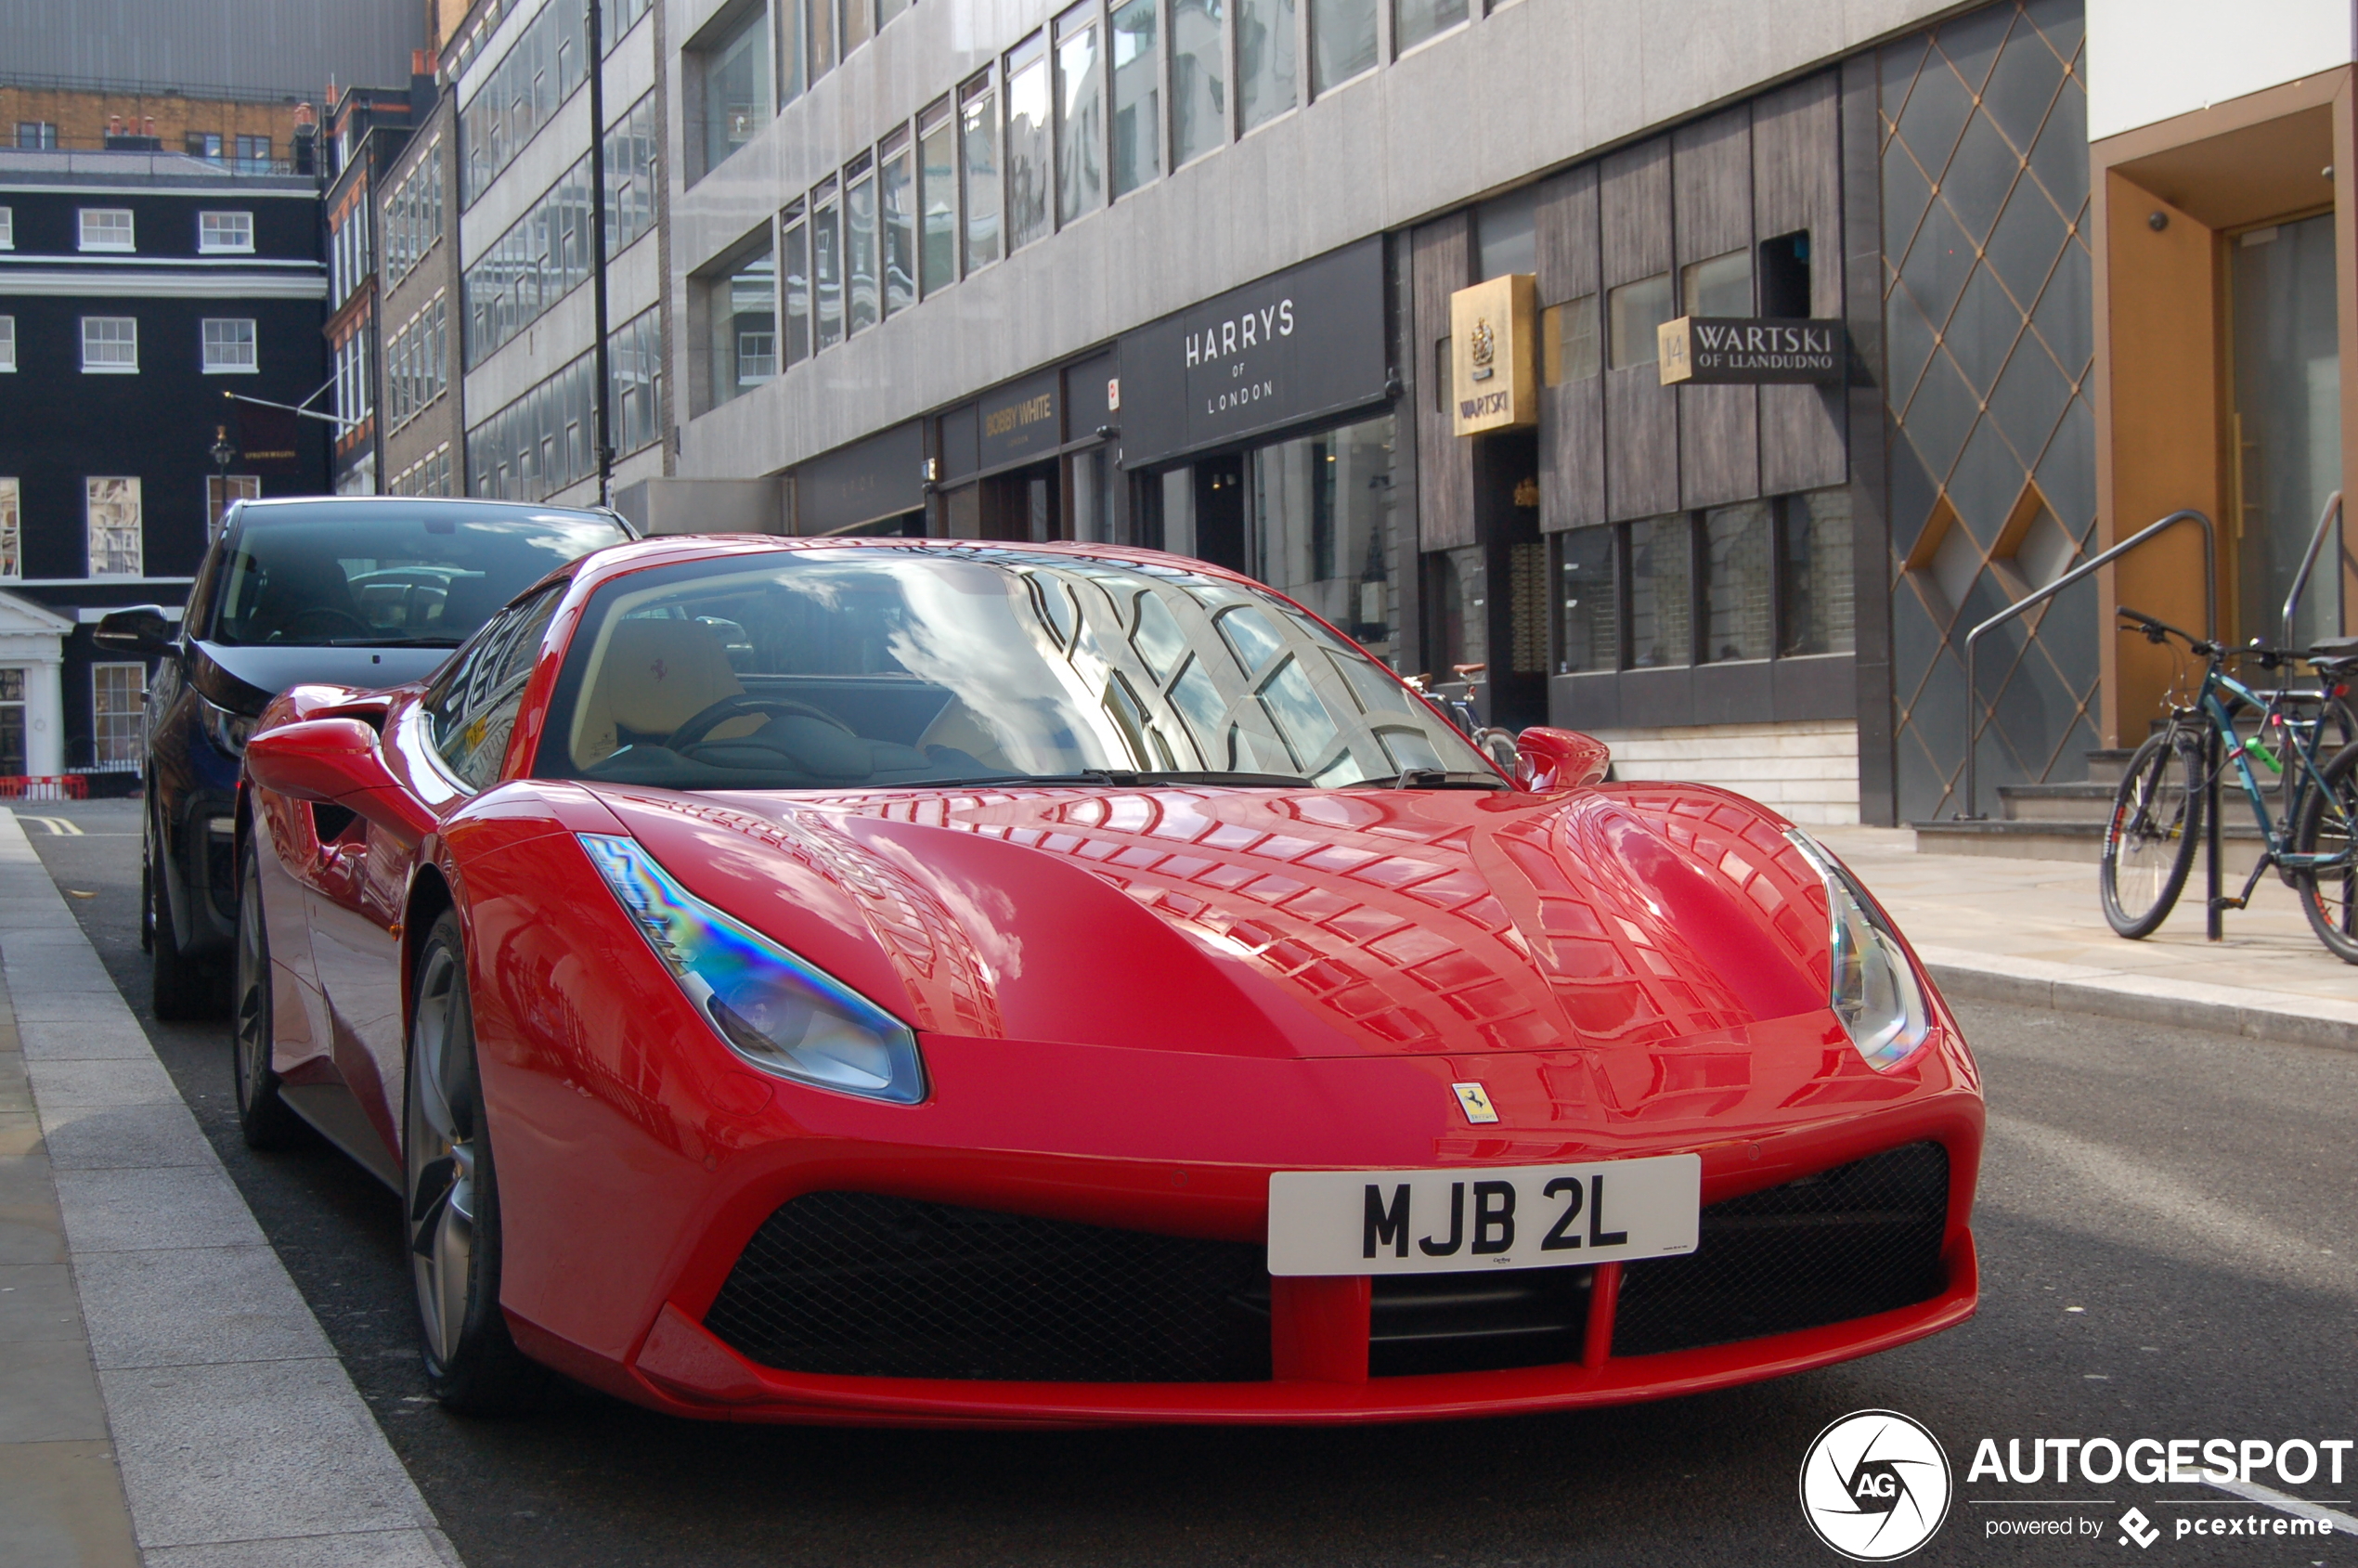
x=652, y=677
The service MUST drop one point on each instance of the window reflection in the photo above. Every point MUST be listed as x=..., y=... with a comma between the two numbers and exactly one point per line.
x=1321, y=522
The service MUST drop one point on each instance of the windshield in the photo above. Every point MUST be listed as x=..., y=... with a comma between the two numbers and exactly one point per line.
x=888, y=666
x=379, y=575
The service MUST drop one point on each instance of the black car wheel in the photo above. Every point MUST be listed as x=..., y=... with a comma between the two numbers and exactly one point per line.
x=262, y=1117
x=453, y=1197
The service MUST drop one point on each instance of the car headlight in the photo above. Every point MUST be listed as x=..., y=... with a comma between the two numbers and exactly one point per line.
x=230, y=730
x=1873, y=988
x=769, y=1006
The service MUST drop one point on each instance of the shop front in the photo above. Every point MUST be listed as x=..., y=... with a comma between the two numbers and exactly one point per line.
x=876, y=486
x=1034, y=459
x=1258, y=432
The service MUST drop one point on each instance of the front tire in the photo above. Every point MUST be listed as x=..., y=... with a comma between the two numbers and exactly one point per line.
x=264, y=1119
x=452, y=1195
x=2149, y=839
x=2327, y=826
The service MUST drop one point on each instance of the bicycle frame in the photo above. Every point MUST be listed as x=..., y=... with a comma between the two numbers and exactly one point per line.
x=2301, y=738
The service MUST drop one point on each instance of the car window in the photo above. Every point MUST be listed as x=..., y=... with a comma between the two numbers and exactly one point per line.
x=473, y=706
x=327, y=575
x=867, y=666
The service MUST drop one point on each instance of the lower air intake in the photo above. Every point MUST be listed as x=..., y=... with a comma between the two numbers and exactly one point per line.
x=1860, y=1239
x=864, y=1286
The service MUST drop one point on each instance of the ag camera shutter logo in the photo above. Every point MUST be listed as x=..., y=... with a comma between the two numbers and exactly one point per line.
x=1876, y=1485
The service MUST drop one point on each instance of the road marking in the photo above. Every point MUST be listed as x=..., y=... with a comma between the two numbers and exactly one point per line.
x=2251, y=1491
x=59, y=827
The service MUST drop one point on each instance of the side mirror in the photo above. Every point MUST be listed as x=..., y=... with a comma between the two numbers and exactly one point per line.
x=143, y=629
x=336, y=760
x=1548, y=759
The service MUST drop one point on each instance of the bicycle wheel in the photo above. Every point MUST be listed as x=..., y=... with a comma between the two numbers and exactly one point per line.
x=2328, y=824
x=2149, y=839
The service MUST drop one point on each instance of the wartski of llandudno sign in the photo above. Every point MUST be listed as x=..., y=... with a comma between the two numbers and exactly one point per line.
x=1740, y=350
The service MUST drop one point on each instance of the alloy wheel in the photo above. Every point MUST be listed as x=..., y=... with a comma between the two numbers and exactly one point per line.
x=441, y=1155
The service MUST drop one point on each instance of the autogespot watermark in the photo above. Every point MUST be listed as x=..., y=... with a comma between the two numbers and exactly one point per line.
x=1876, y=1484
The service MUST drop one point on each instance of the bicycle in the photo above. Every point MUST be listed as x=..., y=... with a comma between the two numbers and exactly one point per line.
x=2157, y=810
x=1463, y=712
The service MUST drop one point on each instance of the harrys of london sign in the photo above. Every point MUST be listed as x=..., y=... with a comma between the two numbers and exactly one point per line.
x=1740, y=350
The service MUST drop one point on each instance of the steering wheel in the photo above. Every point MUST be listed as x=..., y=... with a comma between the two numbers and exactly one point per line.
x=319, y=613
x=703, y=723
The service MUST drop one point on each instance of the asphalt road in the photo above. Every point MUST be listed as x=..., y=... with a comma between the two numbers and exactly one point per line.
x=2170, y=1249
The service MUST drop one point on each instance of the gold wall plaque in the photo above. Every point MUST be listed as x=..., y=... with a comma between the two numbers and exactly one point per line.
x=1493, y=355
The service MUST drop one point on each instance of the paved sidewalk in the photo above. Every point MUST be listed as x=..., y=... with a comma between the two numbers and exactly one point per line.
x=238, y=1439
x=2031, y=931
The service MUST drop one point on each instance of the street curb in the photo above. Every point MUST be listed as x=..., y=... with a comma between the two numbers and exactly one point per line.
x=239, y=1434
x=2104, y=993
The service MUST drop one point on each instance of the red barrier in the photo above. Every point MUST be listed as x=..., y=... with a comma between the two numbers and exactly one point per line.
x=45, y=787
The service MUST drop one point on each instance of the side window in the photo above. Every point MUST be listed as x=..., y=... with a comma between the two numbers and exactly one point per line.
x=474, y=708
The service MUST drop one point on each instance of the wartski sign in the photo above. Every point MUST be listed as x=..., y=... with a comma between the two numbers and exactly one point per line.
x=1739, y=350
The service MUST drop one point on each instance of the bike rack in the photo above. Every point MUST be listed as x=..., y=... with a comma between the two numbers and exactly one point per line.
x=1978, y=720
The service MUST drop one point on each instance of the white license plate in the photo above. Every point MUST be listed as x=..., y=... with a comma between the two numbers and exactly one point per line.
x=1523, y=1216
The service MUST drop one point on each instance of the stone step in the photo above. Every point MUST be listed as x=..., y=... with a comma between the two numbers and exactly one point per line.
x=2238, y=848
x=2104, y=767
x=2093, y=802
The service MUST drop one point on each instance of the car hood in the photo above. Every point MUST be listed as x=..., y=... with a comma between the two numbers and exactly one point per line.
x=244, y=679
x=1269, y=923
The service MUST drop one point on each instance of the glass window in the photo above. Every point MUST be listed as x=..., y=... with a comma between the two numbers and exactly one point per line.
x=888, y=9
x=1737, y=606
x=796, y=66
x=897, y=203
x=106, y=228
x=8, y=228
x=517, y=97
x=1028, y=151
x=36, y=135
x=1637, y=309
x=860, y=244
x=1321, y=520
x=1413, y=21
x=926, y=667
x=978, y=133
x=938, y=198
x=116, y=536
x=827, y=265
x=12, y=737
x=1458, y=601
x=1815, y=578
x=225, y=231
x=859, y=23
x=1137, y=96
x=7, y=343
x=820, y=15
x=1265, y=59
x=118, y=712
x=223, y=491
x=1342, y=41
x=203, y=143
x=736, y=88
x=11, y=531
x=253, y=155
x=634, y=362
x=1719, y=286
x=745, y=326
x=794, y=265
x=1568, y=341
x=630, y=175
x=1081, y=115
x=1587, y=602
x=473, y=707
x=1661, y=592
x=1199, y=80
x=228, y=346
x=109, y=344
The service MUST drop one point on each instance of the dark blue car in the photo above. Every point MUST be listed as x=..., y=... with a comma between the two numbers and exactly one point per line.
x=360, y=590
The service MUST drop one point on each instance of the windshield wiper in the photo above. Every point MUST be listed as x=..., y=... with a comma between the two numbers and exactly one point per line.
x=1432, y=778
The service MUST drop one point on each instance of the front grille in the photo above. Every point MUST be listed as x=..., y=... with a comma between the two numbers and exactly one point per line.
x=1860, y=1239
x=1477, y=1322
x=866, y=1286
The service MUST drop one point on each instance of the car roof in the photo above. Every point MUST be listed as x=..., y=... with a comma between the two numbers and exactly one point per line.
x=323, y=506
x=671, y=549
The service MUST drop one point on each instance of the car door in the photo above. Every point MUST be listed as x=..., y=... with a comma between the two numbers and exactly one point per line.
x=356, y=892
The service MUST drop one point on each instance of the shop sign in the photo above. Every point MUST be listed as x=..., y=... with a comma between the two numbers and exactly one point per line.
x=1750, y=351
x=1288, y=349
x=881, y=476
x=1493, y=355
x=1021, y=420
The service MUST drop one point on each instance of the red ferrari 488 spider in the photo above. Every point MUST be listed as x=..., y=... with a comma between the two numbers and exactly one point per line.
x=953, y=983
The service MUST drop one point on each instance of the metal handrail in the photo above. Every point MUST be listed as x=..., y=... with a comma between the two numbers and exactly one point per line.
x=2308, y=563
x=1980, y=720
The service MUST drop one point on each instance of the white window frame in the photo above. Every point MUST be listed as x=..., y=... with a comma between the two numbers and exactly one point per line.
x=223, y=491
x=139, y=715
x=8, y=228
x=107, y=241
x=250, y=365
x=12, y=530
x=105, y=368
x=239, y=241
x=7, y=344
x=138, y=526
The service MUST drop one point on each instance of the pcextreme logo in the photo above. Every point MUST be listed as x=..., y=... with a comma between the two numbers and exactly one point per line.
x=1876, y=1485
